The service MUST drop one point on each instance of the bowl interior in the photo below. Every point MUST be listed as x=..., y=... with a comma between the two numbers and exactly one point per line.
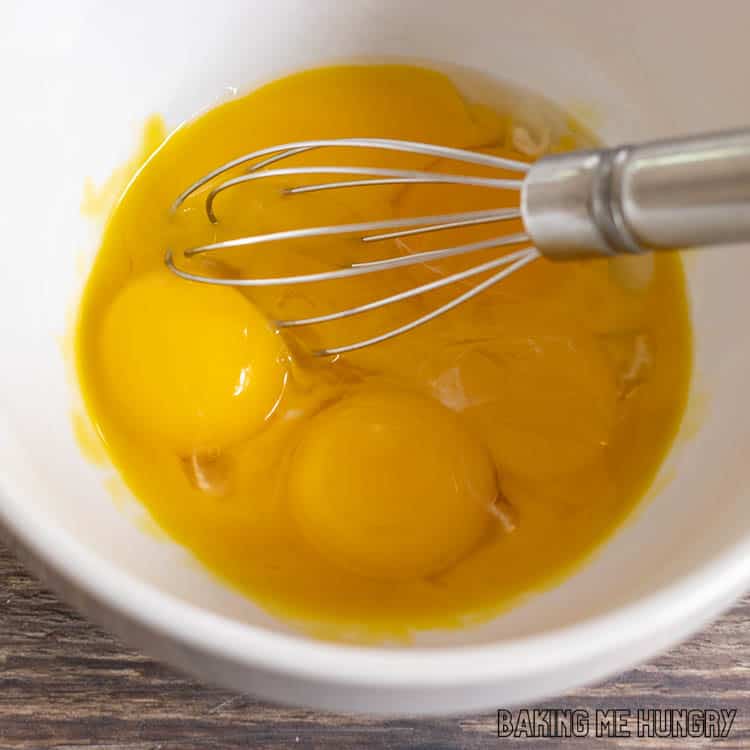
x=86, y=75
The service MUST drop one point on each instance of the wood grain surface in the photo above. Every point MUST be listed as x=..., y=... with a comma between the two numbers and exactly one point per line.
x=66, y=684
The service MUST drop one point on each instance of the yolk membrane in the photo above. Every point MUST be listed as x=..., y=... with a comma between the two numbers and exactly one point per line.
x=194, y=364
x=352, y=505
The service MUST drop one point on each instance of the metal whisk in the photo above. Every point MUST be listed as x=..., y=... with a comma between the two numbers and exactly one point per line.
x=681, y=193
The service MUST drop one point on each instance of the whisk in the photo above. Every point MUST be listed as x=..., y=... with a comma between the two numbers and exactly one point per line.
x=680, y=193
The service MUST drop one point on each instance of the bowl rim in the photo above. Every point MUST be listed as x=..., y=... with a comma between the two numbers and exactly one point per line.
x=112, y=589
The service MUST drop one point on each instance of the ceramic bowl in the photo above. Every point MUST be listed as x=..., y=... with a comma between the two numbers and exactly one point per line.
x=79, y=80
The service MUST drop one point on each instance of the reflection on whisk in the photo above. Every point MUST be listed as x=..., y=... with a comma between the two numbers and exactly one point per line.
x=658, y=196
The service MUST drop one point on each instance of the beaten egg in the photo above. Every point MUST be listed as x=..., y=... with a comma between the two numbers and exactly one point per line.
x=429, y=480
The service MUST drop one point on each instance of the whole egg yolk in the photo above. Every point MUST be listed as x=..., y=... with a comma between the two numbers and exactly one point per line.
x=193, y=364
x=546, y=403
x=392, y=484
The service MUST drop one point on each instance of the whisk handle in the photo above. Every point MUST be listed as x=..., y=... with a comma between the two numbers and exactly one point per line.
x=679, y=193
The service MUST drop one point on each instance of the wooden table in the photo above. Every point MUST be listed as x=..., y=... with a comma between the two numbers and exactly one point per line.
x=65, y=684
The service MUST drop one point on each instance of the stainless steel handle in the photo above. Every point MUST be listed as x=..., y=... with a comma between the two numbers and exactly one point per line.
x=680, y=193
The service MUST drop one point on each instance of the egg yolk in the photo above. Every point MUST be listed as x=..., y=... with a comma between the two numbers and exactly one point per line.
x=546, y=404
x=352, y=503
x=194, y=364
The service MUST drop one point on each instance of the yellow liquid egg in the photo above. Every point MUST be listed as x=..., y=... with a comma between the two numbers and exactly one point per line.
x=427, y=481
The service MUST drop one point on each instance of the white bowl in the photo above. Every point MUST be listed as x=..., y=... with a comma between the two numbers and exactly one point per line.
x=81, y=77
